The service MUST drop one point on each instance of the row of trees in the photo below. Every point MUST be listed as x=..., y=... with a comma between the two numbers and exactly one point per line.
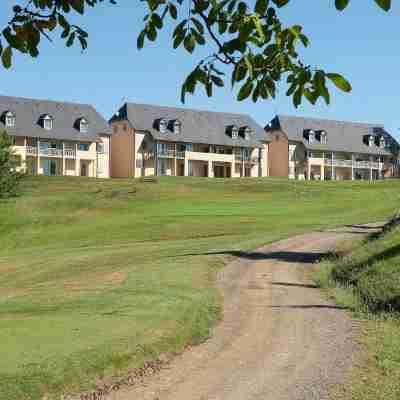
x=9, y=177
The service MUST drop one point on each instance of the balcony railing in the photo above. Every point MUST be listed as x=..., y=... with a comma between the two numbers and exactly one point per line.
x=68, y=153
x=31, y=150
x=353, y=164
x=166, y=153
x=50, y=152
x=246, y=158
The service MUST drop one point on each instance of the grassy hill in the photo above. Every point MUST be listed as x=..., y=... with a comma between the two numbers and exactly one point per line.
x=100, y=275
x=367, y=281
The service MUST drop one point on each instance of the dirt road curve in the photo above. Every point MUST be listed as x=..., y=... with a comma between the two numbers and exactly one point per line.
x=279, y=339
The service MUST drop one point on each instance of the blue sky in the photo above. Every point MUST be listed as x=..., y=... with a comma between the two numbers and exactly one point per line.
x=362, y=43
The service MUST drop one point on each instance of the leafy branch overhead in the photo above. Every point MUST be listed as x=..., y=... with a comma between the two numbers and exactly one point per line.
x=247, y=39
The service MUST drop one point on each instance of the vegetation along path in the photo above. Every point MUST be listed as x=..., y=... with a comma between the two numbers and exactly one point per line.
x=279, y=339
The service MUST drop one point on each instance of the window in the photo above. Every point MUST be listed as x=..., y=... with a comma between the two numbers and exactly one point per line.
x=10, y=120
x=177, y=127
x=382, y=142
x=83, y=125
x=371, y=141
x=323, y=137
x=100, y=147
x=47, y=122
x=311, y=136
x=162, y=126
x=235, y=132
x=247, y=133
x=83, y=146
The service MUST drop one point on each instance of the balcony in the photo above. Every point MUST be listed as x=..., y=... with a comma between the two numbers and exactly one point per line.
x=353, y=164
x=166, y=153
x=69, y=153
x=246, y=159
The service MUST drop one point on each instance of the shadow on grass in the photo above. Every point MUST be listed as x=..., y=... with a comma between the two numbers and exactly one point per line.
x=310, y=306
x=286, y=256
x=292, y=284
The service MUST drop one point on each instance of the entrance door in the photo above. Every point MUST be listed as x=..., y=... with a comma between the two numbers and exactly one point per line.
x=53, y=167
x=228, y=172
x=83, y=169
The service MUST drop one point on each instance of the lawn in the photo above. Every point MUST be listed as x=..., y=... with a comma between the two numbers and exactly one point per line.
x=100, y=275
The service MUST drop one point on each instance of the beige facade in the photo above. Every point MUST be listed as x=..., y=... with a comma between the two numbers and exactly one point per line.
x=137, y=154
x=63, y=158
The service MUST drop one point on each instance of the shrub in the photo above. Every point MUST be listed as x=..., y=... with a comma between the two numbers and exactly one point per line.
x=9, y=177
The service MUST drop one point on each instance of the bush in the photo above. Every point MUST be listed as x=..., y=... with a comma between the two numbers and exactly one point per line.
x=9, y=177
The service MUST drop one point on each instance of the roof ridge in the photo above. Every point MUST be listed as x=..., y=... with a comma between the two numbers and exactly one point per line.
x=16, y=98
x=185, y=109
x=376, y=125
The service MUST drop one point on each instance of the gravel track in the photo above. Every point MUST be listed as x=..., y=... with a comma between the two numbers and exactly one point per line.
x=280, y=338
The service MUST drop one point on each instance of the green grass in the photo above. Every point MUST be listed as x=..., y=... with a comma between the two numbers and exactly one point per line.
x=367, y=281
x=100, y=275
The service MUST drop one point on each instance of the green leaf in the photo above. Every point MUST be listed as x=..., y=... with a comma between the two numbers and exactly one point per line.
x=340, y=82
x=384, y=4
x=341, y=4
x=245, y=90
x=217, y=80
x=261, y=6
x=78, y=5
x=189, y=43
x=6, y=57
x=172, y=11
x=140, y=40
x=281, y=3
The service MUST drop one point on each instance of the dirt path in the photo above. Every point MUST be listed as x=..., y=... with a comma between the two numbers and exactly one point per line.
x=279, y=339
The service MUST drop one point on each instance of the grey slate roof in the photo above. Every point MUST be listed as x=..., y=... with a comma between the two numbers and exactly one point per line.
x=342, y=136
x=65, y=116
x=205, y=127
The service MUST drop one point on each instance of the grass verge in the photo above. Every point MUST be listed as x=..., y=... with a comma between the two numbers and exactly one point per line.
x=367, y=281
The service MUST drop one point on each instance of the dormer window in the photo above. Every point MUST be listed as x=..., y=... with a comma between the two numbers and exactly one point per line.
x=311, y=136
x=382, y=142
x=162, y=125
x=47, y=122
x=83, y=125
x=245, y=132
x=10, y=119
x=323, y=137
x=176, y=127
x=370, y=141
x=233, y=131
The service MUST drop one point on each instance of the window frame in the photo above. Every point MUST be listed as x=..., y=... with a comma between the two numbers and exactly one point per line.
x=10, y=116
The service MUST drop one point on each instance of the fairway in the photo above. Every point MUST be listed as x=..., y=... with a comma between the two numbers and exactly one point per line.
x=99, y=275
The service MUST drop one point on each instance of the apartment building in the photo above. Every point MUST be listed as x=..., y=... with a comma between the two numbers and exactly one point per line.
x=309, y=148
x=155, y=140
x=57, y=138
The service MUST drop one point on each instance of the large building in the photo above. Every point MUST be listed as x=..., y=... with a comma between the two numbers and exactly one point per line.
x=309, y=148
x=154, y=140
x=57, y=138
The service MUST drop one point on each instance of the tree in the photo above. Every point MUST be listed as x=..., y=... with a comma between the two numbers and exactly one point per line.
x=9, y=177
x=248, y=38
